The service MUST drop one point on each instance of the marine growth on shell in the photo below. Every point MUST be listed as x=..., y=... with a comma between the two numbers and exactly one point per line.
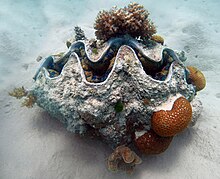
x=126, y=87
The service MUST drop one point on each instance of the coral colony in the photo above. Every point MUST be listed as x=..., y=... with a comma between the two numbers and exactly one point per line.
x=125, y=87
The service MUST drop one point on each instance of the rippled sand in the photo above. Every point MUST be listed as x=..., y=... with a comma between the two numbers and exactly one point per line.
x=34, y=145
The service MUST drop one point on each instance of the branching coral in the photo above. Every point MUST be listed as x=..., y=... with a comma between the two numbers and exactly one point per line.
x=132, y=20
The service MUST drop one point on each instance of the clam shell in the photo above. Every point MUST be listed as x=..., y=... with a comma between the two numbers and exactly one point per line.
x=83, y=104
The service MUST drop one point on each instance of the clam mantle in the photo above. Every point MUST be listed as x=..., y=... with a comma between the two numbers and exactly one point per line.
x=89, y=106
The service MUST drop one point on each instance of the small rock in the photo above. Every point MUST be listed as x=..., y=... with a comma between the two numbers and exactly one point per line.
x=39, y=58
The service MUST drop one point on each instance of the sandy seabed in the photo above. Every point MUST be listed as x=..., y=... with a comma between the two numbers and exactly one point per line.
x=34, y=145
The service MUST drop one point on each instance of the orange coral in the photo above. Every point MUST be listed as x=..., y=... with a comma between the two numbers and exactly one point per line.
x=197, y=78
x=151, y=143
x=132, y=20
x=158, y=39
x=171, y=122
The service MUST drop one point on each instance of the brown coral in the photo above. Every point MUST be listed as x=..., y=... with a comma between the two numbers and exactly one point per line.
x=151, y=143
x=123, y=158
x=169, y=123
x=158, y=39
x=132, y=20
x=197, y=78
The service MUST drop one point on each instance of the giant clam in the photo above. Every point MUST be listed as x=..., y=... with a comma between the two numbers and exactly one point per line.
x=129, y=91
x=84, y=91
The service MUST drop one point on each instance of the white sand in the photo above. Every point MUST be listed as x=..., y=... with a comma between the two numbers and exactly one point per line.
x=34, y=145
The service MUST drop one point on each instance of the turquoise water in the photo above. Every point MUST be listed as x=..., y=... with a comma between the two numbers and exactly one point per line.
x=34, y=146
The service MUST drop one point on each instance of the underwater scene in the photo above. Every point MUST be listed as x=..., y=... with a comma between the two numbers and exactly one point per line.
x=109, y=89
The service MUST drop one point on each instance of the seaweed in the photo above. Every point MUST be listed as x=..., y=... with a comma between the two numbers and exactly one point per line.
x=119, y=106
x=95, y=51
x=18, y=92
x=21, y=92
x=29, y=101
